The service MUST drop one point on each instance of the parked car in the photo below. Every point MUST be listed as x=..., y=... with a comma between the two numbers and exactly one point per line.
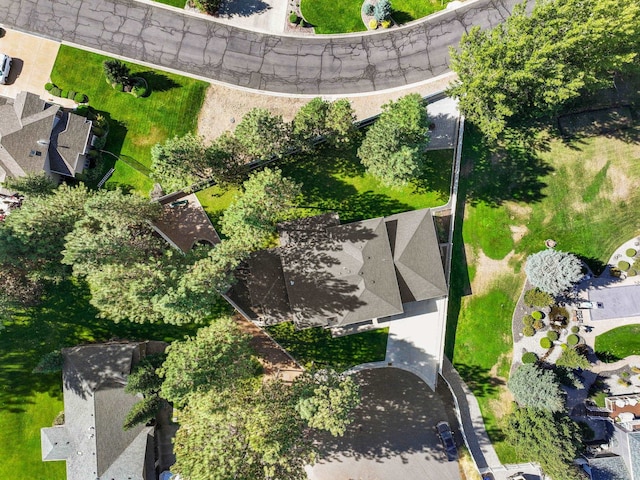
x=446, y=437
x=5, y=67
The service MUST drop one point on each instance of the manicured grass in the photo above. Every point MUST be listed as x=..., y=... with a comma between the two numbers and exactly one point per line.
x=173, y=3
x=29, y=401
x=315, y=346
x=335, y=180
x=619, y=343
x=579, y=193
x=329, y=16
x=136, y=124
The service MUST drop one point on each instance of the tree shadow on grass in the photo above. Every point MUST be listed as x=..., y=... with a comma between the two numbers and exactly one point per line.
x=479, y=381
x=497, y=174
x=158, y=82
x=64, y=318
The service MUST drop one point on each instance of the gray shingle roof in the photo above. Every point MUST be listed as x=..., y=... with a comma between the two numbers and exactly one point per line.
x=95, y=407
x=608, y=468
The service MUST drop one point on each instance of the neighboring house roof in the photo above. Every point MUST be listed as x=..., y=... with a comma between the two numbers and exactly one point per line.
x=36, y=136
x=92, y=440
x=337, y=275
x=608, y=468
x=185, y=225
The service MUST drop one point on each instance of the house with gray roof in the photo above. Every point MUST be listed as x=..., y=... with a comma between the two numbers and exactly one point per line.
x=36, y=136
x=92, y=440
x=328, y=274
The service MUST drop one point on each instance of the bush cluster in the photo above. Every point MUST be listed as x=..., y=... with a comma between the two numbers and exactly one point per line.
x=573, y=339
x=527, y=320
x=56, y=91
x=537, y=298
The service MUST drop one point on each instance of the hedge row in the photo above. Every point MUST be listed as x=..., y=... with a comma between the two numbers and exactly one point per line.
x=70, y=94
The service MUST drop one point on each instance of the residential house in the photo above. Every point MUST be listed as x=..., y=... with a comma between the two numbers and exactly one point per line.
x=92, y=440
x=327, y=274
x=36, y=136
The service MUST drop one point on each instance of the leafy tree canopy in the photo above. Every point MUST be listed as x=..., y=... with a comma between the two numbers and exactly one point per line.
x=393, y=148
x=551, y=439
x=179, y=162
x=534, y=387
x=553, y=271
x=268, y=198
x=34, y=184
x=215, y=359
x=333, y=120
x=529, y=66
x=261, y=134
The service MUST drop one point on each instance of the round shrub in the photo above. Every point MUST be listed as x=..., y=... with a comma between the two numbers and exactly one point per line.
x=552, y=335
x=368, y=9
x=80, y=98
x=631, y=252
x=573, y=339
x=545, y=342
x=71, y=94
x=538, y=315
x=537, y=298
x=563, y=346
x=538, y=324
x=48, y=86
x=575, y=329
x=385, y=23
x=294, y=18
x=529, y=357
x=64, y=93
x=55, y=91
x=528, y=331
x=632, y=273
x=373, y=24
x=624, y=266
x=527, y=320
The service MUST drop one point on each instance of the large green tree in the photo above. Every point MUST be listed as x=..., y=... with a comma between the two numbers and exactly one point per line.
x=529, y=66
x=268, y=198
x=551, y=439
x=217, y=358
x=179, y=162
x=393, y=148
x=261, y=430
x=320, y=118
x=535, y=387
x=262, y=134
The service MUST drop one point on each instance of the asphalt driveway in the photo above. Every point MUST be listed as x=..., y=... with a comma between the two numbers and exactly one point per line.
x=393, y=437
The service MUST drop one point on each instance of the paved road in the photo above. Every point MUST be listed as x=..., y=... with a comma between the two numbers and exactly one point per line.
x=295, y=65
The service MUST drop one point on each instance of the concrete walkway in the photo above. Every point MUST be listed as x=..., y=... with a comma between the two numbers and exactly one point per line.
x=174, y=40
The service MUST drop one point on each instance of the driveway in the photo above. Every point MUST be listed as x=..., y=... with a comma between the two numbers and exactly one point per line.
x=33, y=59
x=313, y=65
x=393, y=437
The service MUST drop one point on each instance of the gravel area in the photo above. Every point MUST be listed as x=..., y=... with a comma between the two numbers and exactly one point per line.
x=224, y=106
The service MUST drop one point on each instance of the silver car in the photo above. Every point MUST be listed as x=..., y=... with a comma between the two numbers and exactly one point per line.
x=5, y=66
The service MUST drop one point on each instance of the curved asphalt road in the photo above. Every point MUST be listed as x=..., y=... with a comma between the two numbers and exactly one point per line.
x=296, y=65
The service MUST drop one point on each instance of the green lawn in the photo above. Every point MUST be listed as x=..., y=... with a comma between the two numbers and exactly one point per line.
x=329, y=16
x=619, y=343
x=315, y=346
x=335, y=180
x=29, y=401
x=579, y=193
x=136, y=124
x=173, y=3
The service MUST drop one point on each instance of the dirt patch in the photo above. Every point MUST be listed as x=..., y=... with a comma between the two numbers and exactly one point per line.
x=487, y=270
x=518, y=231
x=622, y=184
x=519, y=210
x=503, y=405
x=224, y=106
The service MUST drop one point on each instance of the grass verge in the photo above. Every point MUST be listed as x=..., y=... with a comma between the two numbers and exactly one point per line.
x=618, y=343
x=315, y=346
x=136, y=124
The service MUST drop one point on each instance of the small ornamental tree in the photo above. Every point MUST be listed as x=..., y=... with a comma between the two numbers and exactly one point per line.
x=382, y=10
x=553, y=271
x=537, y=298
x=534, y=387
x=116, y=72
x=571, y=358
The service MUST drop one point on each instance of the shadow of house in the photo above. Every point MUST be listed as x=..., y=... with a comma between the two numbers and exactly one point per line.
x=36, y=136
x=335, y=276
x=92, y=440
